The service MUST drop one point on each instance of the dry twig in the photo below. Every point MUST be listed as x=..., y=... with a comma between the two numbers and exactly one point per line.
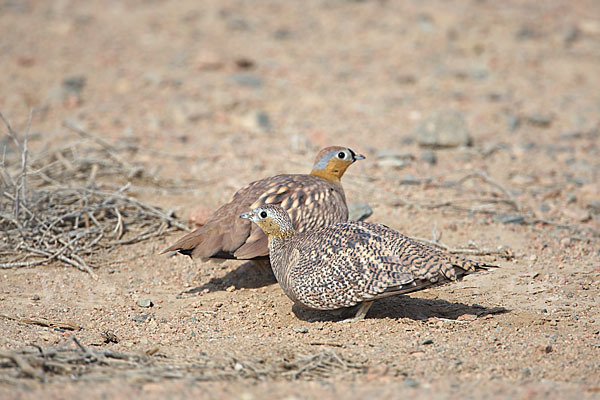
x=52, y=209
x=74, y=360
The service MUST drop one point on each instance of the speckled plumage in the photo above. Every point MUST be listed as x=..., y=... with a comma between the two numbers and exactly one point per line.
x=352, y=262
x=312, y=200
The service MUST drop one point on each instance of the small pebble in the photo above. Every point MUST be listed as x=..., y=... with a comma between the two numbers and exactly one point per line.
x=359, y=211
x=145, y=303
x=140, y=318
x=443, y=129
x=74, y=84
x=512, y=122
x=248, y=80
x=429, y=157
x=238, y=367
x=409, y=382
x=541, y=120
x=300, y=329
x=390, y=162
x=257, y=121
x=426, y=342
x=35, y=297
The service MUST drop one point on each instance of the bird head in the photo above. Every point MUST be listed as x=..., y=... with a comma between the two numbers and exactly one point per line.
x=272, y=219
x=332, y=162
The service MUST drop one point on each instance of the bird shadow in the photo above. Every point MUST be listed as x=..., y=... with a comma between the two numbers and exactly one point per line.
x=246, y=276
x=397, y=307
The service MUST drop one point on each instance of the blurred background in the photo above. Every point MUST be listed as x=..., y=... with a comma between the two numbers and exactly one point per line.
x=480, y=122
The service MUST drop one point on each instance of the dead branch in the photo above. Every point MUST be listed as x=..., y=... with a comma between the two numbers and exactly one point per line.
x=53, y=208
x=74, y=360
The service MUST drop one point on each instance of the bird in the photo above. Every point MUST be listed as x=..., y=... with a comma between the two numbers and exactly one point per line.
x=312, y=200
x=352, y=263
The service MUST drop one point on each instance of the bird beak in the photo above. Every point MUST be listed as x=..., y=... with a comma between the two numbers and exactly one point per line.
x=359, y=157
x=247, y=215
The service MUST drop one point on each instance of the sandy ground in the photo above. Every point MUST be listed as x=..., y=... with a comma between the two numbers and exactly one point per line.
x=215, y=94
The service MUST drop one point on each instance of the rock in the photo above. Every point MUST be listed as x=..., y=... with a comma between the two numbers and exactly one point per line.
x=527, y=32
x=479, y=72
x=540, y=120
x=238, y=367
x=429, y=157
x=282, y=34
x=425, y=22
x=565, y=242
x=257, y=121
x=512, y=122
x=140, y=318
x=35, y=297
x=208, y=61
x=145, y=303
x=426, y=342
x=392, y=163
x=509, y=219
x=570, y=35
x=248, y=80
x=577, y=214
x=359, y=211
x=409, y=382
x=69, y=92
x=389, y=159
x=410, y=180
x=300, y=329
x=244, y=63
x=594, y=207
x=443, y=129
x=74, y=84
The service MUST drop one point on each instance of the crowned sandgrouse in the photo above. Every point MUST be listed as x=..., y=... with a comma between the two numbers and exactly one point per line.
x=351, y=263
x=312, y=200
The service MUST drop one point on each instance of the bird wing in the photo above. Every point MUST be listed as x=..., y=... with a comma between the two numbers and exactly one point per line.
x=310, y=201
x=343, y=265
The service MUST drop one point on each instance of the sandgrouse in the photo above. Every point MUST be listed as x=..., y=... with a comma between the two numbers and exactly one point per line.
x=351, y=263
x=312, y=200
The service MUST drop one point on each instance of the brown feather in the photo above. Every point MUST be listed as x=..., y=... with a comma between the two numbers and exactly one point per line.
x=313, y=201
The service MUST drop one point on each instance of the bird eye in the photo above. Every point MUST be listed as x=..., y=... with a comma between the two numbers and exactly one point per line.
x=263, y=214
x=341, y=155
